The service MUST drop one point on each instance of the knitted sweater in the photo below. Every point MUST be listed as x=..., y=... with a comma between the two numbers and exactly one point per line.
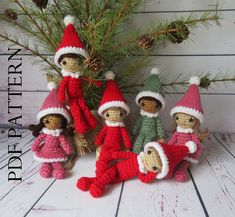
x=181, y=136
x=51, y=146
x=149, y=125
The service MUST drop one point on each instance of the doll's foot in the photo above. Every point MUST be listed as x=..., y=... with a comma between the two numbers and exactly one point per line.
x=79, y=128
x=59, y=173
x=85, y=183
x=45, y=170
x=180, y=176
x=92, y=122
x=96, y=191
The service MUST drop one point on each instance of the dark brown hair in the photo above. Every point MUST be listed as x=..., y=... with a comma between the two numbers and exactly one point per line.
x=72, y=55
x=36, y=129
x=158, y=103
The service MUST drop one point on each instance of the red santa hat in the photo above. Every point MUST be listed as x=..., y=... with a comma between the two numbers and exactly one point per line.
x=112, y=96
x=51, y=105
x=171, y=155
x=70, y=42
x=190, y=103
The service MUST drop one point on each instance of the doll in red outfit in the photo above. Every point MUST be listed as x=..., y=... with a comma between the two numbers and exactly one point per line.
x=188, y=115
x=70, y=56
x=113, y=108
x=156, y=162
x=51, y=146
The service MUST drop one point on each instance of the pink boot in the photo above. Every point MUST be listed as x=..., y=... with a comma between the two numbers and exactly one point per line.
x=58, y=171
x=180, y=174
x=46, y=170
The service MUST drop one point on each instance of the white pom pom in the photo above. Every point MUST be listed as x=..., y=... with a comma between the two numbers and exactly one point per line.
x=69, y=20
x=51, y=85
x=110, y=75
x=194, y=80
x=155, y=71
x=191, y=146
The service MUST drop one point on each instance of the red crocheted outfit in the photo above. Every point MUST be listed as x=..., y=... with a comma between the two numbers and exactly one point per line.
x=110, y=137
x=123, y=170
x=181, y=136
x=72, y=85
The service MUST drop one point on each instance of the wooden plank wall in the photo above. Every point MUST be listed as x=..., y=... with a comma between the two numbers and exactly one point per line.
x=209, y=50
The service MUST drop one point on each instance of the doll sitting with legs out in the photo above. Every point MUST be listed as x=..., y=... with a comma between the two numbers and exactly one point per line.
x=51, y=146
x=188, y=115
x=158, y=161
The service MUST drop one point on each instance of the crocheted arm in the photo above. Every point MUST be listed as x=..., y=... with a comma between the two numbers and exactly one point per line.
x=160, y=128
x=137, y=126
x=173, y=139
x=146, y=178
x=65, y=145
x=101, y=135
x=123, y=155
x=199, y=145
x=126, y=138
x=37, y=142
x=62, y=90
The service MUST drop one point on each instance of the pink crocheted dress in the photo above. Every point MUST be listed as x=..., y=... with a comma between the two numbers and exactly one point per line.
x=51, y=146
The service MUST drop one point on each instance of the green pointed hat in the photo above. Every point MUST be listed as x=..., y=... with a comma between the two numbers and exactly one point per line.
x=152, y=88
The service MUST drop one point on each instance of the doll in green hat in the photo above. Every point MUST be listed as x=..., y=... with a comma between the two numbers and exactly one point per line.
x=151, y=100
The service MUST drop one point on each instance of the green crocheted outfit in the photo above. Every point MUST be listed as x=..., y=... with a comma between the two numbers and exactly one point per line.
x=148, y=127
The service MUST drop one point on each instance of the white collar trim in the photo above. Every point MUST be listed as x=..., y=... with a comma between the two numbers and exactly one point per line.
x=183, y=130
x=56, y=132
x=148, y=114
x=114, y=124
x=70, y=74
x=140, y=160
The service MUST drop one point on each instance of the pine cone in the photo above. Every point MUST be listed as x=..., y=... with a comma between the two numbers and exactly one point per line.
x=146, y=41
x=179, y=35
x=42, y=4
x=96, y=64
x=205, y=82
x=10, y=14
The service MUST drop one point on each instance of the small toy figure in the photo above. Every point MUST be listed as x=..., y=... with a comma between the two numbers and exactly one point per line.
x=70, y=56
x=151, y=100
x=188, y=115
x=113, y=108
x=51, y=146
x=156, y=162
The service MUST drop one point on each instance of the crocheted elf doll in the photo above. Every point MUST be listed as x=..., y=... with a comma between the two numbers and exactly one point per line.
x=151, y=100
x=51, y=146
x=188, y=115
x=156, y=162
x=113, y=108
x=70, y=56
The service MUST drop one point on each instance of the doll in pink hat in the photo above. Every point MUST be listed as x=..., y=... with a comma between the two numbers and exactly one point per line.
x=188, y=115
x=51, y=146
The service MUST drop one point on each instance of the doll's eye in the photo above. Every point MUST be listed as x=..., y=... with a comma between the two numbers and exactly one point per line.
x=177, y=118
x=142, y=104
x=149, y=152
x=107, y=115
x=46, y=122
x=154, y=168
x=121, y=114
x=64, y=62
x=190, y=119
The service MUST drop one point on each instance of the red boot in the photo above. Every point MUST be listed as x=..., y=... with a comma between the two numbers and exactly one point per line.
x=85, y=183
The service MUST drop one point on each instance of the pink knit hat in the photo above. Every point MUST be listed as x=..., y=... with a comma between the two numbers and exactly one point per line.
x=51, y=105
x=190, y=103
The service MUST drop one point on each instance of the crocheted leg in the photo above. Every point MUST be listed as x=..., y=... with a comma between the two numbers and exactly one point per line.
x=109, y=176
x=138, y=146
x=85, y=183
x=103, y=163
x=45, y=170
x=89, y=117
x=80, y=125
x=58, y=170
x=180, y=174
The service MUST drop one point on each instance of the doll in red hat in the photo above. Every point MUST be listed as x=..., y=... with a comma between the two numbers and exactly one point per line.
x=113, y=108
x=70, y=56
x=188, y=115
x=157, y=161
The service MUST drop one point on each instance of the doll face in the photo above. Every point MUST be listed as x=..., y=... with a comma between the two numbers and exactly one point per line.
x=152, y=160
x=114, y=114
x=71, y=64
x=149, y=105
x=52, y=122
x=185, y=121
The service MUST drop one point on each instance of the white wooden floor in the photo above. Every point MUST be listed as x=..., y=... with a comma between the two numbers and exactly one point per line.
x=209, y=192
